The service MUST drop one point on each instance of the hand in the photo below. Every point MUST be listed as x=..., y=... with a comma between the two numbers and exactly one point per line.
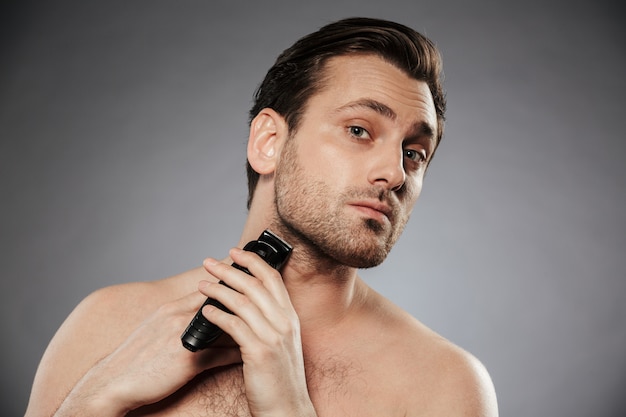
x=149, y=365
x=266, y=327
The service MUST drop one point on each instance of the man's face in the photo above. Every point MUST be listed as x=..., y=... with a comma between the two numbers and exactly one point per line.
x=348, y=178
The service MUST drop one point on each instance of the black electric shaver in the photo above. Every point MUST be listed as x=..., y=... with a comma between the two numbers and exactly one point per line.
x=201, y=333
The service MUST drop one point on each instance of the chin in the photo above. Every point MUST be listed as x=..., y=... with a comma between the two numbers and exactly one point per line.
x=365, y=263
x=361, y=256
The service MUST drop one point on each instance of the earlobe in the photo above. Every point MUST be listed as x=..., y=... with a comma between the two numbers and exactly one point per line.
x=267, y=132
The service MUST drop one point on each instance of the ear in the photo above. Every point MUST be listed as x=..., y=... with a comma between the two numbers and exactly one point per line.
x=268, y=132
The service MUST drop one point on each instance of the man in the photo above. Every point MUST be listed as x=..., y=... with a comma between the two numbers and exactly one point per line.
x=341, y=133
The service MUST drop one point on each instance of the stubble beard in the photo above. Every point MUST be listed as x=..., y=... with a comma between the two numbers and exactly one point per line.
x=315, y=217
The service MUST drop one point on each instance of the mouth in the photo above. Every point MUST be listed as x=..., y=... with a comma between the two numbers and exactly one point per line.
x=374, y=209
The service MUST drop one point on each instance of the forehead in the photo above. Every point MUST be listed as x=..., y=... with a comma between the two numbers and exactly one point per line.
x=354, y=78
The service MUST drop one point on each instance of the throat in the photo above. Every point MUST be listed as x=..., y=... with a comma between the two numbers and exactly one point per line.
x=323, y=301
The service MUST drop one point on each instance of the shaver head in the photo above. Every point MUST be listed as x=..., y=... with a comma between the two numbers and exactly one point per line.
x=271, y=248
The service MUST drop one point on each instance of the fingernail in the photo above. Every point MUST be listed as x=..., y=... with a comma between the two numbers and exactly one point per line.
x=209, y=262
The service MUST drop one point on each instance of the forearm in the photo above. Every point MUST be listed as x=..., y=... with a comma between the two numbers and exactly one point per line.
x=88, y=400
x=79, y=408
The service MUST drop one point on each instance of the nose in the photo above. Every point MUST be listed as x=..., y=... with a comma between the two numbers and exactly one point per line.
x=387, y=169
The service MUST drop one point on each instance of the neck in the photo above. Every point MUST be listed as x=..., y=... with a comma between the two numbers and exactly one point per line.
x=322, y=291
x=323, y=296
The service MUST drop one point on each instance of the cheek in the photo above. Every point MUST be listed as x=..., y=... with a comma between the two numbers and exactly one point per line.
x=325, y=163
x=412, y=190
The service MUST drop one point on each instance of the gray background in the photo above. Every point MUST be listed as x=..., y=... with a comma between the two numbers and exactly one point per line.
x=123, y=128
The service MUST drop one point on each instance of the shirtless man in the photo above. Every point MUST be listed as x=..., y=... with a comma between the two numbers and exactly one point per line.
x=341, y=133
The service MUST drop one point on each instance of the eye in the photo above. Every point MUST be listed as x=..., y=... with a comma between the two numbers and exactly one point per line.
x=358, y=132
x=414, y=155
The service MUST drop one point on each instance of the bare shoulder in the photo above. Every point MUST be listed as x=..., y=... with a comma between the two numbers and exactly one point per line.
x=463, y=385
x=436, y=376
x=96, y=327
x=106, y=316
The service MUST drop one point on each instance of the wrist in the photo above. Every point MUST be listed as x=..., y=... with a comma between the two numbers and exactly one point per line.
x=302, y=409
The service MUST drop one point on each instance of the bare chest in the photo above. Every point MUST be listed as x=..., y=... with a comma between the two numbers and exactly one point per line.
x=337, y=388
x=212, y=393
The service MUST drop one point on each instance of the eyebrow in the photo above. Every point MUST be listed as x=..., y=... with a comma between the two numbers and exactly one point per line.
x=422, y=128
x=377, y=106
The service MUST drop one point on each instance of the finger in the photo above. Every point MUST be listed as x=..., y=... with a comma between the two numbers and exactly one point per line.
x=242, y=282
x=176, y=316
x=193, y=300
x=237, y=328
x=241, y=305
x=275, y=305
x=177, y=313
x=270, y=277
x=251, y=321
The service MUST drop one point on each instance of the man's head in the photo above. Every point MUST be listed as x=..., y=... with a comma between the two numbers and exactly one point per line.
x=299, y=72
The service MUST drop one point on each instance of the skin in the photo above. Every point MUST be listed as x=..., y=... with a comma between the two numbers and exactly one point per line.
x=313, y=339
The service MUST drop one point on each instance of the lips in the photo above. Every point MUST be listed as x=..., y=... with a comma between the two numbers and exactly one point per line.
x=374, y=208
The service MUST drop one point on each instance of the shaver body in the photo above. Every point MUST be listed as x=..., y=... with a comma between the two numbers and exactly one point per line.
x=201, y=333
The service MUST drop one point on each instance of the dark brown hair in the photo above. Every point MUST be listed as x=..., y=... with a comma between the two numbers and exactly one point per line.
x=298, y=72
